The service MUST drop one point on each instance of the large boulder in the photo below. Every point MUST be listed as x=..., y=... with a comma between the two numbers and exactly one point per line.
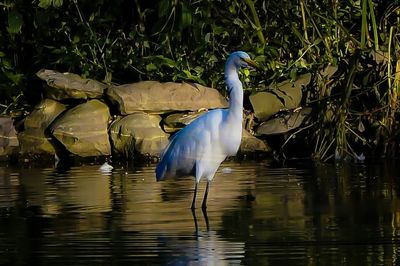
x=175, y=122
x=8, y=137
x=35, y=138
x=252, y=144
x=138, y=133
x=249, y=143
x=62, y=86
x=83, y=129
x=285, y=95
x=283, y=124
x=156, y=97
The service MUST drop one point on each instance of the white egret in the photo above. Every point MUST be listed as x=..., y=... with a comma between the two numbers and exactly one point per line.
x=200, y=147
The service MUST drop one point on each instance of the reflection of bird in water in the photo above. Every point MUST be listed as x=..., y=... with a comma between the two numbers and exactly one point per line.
x=205, y=248
x=199, y=148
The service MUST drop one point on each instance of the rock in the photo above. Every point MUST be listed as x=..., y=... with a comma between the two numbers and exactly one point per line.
x=283, y=124
x=328, y=71
x=83, y=129
x=156, y=97
x=34, y=138
x=62, y=86
x=8, y=137
x=285, y=95
x=252, y=144
x=177, y=121
x=138, y=133
x=249, y=143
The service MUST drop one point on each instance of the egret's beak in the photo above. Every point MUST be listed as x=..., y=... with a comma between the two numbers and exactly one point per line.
x=252, y=63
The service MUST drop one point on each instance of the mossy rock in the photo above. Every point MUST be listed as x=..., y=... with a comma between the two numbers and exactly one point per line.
x=158, y=98
x=35, y=138
x=8, y=137
x=138, y=133
x=175, y=122
x=83, y=129
x=285, y=95
x=283, y=124
x=251, y=144
x=64, y=86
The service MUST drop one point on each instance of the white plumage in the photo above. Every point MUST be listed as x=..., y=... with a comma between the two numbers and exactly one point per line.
x=200, y=147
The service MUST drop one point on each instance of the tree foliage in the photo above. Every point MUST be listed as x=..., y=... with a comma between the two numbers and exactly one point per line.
x=187, y=40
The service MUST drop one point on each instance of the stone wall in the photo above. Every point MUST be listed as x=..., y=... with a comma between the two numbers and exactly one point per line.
x=85, y=118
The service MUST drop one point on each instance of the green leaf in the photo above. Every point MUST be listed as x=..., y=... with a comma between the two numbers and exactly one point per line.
x=48, y=3
x=151, y=67
x=217, y=30
x=192, y=77
x=92, y=17
x=45, y=3
x=15, y=78
x=212, y=60
x=14, y=22
x=207, y=37
x=260, y=59
x=76, y=39
x=57, y=3
x=199, y=70
x=5, y=64
x=166, y=61
x=239, y=22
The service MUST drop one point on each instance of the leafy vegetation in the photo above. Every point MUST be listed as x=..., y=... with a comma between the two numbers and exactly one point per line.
x=188, y=40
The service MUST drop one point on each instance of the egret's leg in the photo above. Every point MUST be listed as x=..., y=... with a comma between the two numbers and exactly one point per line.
x=204, y=204
x=194, y=195
x=196, y=225
x=206, y=219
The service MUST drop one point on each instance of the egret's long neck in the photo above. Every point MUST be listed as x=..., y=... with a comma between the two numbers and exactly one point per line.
x=235, y=91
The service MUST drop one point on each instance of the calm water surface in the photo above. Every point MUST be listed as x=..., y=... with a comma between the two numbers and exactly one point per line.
x=258, y=214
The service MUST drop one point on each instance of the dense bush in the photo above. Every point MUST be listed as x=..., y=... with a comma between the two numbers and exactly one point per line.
x=125, y=41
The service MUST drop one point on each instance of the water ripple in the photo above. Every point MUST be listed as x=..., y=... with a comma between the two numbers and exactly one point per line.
x=258, y=214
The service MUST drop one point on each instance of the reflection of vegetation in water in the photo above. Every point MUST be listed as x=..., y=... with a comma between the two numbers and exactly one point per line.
x=338, y=213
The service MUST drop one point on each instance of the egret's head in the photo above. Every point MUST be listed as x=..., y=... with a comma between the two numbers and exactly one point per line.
x=242, y=59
